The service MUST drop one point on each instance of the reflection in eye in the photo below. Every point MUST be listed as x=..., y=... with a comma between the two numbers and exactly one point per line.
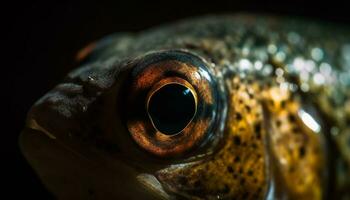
x=172, y=104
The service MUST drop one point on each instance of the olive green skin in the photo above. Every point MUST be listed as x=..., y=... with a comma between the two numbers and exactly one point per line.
x=245, y=54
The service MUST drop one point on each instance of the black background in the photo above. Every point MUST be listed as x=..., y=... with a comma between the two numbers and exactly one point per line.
x=41, y=39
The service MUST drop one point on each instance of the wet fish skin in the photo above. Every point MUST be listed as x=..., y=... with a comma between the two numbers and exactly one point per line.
x=286, y=132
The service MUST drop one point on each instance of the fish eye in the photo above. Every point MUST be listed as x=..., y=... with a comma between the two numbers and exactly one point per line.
x=171, y=104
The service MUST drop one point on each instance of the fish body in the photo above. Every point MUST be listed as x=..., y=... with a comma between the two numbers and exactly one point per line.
x=276, y=121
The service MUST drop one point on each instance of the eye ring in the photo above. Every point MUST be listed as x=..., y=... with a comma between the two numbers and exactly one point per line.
x=153, y=72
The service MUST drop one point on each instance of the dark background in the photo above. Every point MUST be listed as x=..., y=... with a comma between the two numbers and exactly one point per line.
x=41, y=39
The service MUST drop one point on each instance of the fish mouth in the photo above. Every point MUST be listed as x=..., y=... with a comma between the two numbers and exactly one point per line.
x=68, y=173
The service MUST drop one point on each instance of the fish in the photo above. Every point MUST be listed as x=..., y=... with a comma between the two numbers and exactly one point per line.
x=237, y=106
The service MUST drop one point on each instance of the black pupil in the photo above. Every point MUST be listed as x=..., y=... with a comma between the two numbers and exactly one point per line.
x=171, y=108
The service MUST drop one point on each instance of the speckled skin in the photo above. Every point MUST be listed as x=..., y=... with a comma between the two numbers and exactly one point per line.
x=286, y=85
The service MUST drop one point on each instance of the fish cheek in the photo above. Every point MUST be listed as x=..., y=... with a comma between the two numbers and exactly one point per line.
x=237, y=170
